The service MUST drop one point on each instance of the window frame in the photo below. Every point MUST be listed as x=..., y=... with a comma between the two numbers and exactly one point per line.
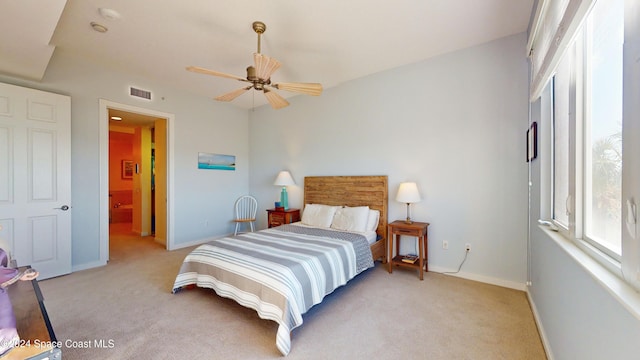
x=579, y=99
x=569, y=229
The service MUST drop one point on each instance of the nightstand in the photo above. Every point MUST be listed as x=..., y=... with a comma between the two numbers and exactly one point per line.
x=415, y=229
x=277, y=217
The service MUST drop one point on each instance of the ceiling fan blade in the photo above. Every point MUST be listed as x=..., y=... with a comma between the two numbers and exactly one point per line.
x=200, y=70
x=232, y=95
x=276, y=101
x=265, y=66
x=314, y=89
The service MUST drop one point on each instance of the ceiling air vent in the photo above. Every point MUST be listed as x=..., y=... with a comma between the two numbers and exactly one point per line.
x=140, y=93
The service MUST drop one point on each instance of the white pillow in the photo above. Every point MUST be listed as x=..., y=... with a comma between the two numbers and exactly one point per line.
x=318, y=215
x=373, y=219
x=351, y=218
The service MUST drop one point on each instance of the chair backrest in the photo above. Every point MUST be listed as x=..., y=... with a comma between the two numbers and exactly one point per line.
x=246, y=207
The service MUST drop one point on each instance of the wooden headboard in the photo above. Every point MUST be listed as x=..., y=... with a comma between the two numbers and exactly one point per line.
x=369, y=191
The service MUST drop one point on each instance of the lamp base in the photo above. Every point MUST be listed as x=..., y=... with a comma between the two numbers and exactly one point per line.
x=408, y=221
x=284, y=198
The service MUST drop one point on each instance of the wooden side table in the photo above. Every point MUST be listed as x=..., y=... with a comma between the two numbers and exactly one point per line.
x=277, y=217
x=417, y=229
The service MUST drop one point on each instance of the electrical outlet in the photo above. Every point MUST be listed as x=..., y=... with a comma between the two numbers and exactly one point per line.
x=467, y=247
x=445, y=244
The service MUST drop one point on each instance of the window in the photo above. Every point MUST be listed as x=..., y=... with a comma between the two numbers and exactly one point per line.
x=594, y=184
x=587, y=132
x=561, y=85
x=604, y=37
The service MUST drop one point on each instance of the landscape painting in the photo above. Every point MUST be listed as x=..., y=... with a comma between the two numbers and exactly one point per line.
x=216, y=161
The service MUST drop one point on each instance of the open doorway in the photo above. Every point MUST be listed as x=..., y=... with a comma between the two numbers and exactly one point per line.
x=132, y=171
x=134, y=177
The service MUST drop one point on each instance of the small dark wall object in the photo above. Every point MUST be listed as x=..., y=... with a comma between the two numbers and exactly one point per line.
x=532, y=142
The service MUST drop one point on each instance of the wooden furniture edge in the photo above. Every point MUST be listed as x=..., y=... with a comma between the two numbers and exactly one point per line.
x=38, y=339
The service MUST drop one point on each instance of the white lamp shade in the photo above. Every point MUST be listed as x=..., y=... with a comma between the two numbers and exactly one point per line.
x=408, y=193
x=284, y=179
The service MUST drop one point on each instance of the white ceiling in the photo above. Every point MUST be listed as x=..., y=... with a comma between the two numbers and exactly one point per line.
x=326, y=41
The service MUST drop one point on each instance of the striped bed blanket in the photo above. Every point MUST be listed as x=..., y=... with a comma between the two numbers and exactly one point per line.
x=280, y=272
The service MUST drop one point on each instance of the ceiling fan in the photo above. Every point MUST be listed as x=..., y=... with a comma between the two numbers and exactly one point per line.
x=259, y=77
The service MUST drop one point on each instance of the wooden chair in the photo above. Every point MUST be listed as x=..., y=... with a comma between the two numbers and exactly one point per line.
x=246, y=207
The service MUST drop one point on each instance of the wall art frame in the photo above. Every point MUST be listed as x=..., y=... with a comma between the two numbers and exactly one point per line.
x=532, y=142
x=208, y=161
x=127, y=169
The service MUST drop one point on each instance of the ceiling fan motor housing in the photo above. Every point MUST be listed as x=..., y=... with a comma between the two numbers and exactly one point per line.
x=258, y=83
x=251, y=74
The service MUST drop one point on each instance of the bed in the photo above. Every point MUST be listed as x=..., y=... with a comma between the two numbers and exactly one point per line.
x=282, y=272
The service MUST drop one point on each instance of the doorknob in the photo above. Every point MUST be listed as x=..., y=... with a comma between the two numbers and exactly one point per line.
x=63, y=208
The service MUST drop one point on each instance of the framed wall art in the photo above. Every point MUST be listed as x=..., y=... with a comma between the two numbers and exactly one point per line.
x=216, y=161
x=127, y=169
x=532, y=142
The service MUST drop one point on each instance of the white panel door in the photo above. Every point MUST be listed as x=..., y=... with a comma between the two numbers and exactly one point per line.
x=35, y=178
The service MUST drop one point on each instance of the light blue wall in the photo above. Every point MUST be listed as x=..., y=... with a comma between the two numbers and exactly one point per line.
x=201, y=125
x=455, y=124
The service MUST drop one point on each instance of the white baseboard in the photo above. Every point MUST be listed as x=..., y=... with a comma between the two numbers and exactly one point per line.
x=95, y=264
x=543, y=335
x=87, y=266
x=481, y=278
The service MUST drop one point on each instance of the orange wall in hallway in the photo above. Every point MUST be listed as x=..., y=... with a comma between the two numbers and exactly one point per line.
x=120, y=148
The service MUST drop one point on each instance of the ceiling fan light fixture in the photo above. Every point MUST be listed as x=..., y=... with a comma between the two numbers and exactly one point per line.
x=251, y=73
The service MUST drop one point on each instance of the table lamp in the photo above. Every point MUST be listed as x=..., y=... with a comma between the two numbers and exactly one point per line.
x=284, y=179
x=408, y=193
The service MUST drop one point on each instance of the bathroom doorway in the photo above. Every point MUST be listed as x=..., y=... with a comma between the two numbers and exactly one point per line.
x=137, y=178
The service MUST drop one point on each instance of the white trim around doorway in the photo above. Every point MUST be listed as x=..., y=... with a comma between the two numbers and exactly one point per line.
x=105, y=105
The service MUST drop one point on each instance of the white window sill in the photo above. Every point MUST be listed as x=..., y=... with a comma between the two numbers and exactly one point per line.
x=607, y=278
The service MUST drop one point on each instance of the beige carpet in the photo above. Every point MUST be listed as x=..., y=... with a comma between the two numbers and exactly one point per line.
x=127, y=306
